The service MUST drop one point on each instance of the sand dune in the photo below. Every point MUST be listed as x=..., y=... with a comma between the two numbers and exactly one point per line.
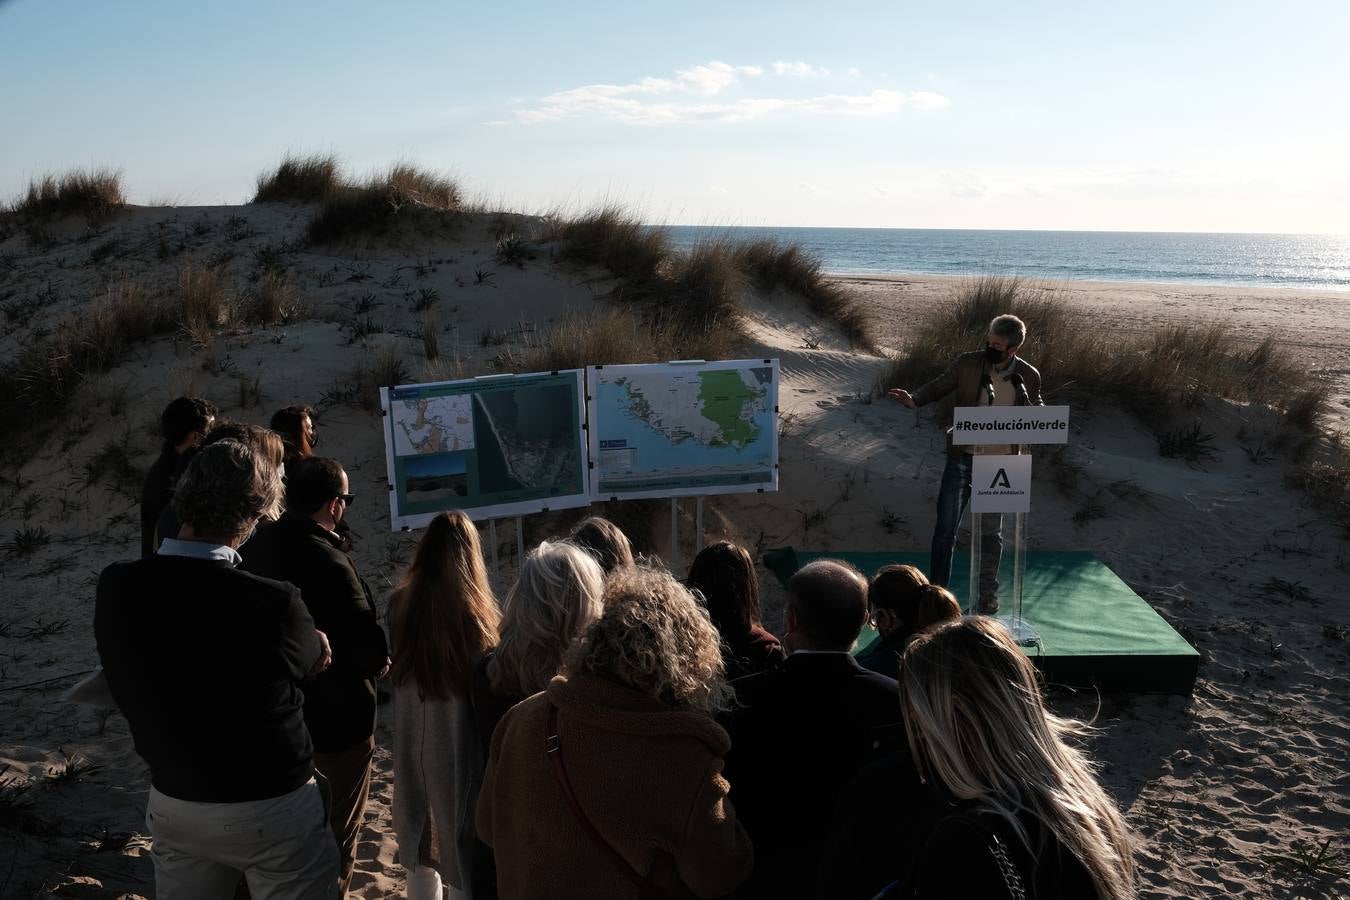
x=1220, y=786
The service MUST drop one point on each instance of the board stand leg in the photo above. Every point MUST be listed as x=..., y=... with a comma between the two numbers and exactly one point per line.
x=674, y=536
x=492, y=539
x=698, y=527
x=520, y=543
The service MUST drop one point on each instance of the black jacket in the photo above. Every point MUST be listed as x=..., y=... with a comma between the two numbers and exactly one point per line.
x=340, y=704
x=204, y=660
x=883, y=656
x=798, y=735
x=156, y=493
x=884, y=816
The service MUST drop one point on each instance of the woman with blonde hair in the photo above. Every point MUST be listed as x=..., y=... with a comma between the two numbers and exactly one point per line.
x=1026, y=816
x=609, y=784
x=555, y=598
x=443, y=618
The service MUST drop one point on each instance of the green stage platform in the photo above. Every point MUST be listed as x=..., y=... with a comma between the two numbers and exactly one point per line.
x=1094, y=630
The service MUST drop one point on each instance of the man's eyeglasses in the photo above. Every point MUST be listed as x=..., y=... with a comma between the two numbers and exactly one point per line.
x=346, y=498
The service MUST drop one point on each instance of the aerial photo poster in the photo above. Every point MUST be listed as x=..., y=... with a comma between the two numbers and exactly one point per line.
x=493, y=447
x=682, y=429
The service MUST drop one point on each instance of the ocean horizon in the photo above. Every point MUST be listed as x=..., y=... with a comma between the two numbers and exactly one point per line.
x=1308, y=261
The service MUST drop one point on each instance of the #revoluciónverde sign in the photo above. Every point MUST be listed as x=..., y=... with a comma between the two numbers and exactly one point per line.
x=1010, y=425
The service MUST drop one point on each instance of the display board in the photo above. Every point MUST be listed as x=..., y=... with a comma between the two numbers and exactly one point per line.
x=497, y=446
x=679, y=429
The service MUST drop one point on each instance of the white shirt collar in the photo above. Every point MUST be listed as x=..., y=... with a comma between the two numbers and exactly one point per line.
x=199, y=550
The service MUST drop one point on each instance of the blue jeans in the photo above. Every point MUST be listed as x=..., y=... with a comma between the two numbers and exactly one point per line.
x=953, y=498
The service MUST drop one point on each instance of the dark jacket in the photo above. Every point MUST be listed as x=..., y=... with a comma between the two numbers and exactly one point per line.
x=488, y=704
x=156, y=494
x=340, y=704
x=203, y=660
x=979, y=854
x=759, y=651
x=883, y=656
x=798, y=734
x=966, y=377
x=881, y=822
x=647, y=775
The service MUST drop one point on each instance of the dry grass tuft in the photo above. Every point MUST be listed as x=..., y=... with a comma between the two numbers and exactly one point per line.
x=773, y=265
x=93, y=193
x=202, y=304
x=274, y=300
x=614, y=336
x=1325, y=482
x=371, y=207
x=300, y=179
x=615, y=238
x=37, y=385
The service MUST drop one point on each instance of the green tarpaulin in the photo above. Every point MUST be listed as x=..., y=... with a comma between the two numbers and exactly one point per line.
x=1095, y=631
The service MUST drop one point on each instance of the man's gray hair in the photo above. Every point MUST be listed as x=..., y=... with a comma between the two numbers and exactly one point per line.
x=1011, y=328
x=226, y=488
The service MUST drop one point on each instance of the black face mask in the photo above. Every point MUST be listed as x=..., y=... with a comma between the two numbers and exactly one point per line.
x=993, y=355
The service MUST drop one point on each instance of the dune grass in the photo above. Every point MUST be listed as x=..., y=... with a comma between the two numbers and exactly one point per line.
x=615, y=335
x=692, y=304
x=1152, y=374
x=37, y=385
x=274, y=300
x=353, y=209
x=202, y=304
x=89, y=192
x=300, y=179
x=774, y=265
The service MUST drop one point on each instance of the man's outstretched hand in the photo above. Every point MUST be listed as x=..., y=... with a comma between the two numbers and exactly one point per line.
x=902, y=397
x=326, y=657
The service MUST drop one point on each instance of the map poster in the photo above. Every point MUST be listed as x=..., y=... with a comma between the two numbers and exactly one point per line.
x=498, y=446
x=683, y=429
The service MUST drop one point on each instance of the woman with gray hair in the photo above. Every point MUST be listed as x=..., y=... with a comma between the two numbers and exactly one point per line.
x=609, y=784
x=555, y=598
x=210, y=689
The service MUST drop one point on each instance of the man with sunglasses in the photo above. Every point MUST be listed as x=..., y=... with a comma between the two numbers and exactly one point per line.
x=303, y=547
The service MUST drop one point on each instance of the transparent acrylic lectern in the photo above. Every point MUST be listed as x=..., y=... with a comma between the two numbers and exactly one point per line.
x=1009, y=573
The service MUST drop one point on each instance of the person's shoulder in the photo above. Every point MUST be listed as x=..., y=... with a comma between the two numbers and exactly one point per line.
x=1027, y=368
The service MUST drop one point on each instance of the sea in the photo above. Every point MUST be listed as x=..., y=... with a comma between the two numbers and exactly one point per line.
x=1310, y=261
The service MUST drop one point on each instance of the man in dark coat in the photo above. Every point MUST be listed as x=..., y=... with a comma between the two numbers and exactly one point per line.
x=799, y=733
x=304, y=549
x=183, y=424
x=205, y=661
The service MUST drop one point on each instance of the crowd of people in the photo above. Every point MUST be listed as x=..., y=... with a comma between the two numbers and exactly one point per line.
x=604, y=730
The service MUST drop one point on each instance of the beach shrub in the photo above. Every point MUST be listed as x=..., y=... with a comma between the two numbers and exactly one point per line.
x=300, y=179
x=614, y=336
x=1151, y=373
x=275, y=299
x=89, y=192
x=372, y=206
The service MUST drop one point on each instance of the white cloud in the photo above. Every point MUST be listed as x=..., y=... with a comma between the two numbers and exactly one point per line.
x=665, y=101
x=800, y=69
x=855, y=72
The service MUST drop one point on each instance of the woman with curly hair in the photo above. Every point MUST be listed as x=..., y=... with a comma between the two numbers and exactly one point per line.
x=1025, y=816
x=555, y=598
x=442, y=618
x=609, y=784
x=724, y=574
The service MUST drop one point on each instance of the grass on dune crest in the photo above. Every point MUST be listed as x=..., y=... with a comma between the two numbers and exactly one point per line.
x=1151, y=373
x=88, y=192
x=354, y=209
x=615, y=335
x=698, y=296
x=300, y=179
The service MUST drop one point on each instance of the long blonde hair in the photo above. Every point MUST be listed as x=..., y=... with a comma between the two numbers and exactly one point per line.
x=555, y=598
x=656, y=638
x=976, y=721
x=443, y=615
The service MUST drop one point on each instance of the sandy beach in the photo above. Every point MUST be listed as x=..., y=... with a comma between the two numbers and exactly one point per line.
x=1224, y=788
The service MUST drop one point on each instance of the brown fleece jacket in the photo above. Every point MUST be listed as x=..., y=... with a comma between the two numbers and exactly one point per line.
x=647, y=775
x=966, y=376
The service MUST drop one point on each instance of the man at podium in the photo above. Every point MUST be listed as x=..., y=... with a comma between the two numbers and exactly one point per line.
x=994, y=376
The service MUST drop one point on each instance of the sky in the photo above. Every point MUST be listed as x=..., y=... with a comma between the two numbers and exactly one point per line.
x=1156, y=116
